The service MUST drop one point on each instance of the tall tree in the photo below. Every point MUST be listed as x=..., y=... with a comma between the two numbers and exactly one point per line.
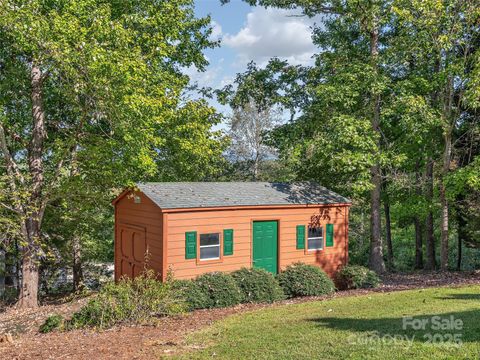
x=429, y=228
x=88, y=77
x=248, y=128
x=388, y=227
x=372, y=25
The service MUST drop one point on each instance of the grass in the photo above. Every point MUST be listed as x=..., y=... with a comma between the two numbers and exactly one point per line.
x=349, y=328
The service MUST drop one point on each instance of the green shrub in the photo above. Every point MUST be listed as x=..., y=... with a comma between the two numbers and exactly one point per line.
x=305, y=280
x=258, y=286
x=357, y=277
x=53, y=322
x=211, y=290
x=193, y=294
x=136, y=300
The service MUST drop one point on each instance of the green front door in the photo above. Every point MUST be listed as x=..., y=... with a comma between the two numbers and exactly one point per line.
x=265, y=245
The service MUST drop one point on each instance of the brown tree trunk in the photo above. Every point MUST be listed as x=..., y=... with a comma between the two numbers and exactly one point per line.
x=28, y=296
x=17, y=266
x=376, y=244
x=77, y=263
x=388, y=234
x=461, y=232
x=459, y=254
x=31, y=231
x=35, y=158
x=444, y=229
x=418, y=244
x=29, y=289
x=418, y=224
x=3, y=267
x=430, y=237
x=447, y=153
x=430, y=245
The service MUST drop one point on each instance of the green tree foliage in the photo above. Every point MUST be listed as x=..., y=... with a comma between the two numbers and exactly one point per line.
x=442, y=40
x=91, y=99
x=388, y=114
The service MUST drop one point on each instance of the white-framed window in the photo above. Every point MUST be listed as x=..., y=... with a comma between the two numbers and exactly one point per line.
x=315, y=238
x=209, y=246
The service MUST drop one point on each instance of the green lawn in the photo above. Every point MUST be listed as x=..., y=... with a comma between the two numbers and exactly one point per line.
x=352, y=327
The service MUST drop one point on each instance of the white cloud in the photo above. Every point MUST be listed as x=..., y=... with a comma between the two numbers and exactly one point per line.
x=226, y=80
x=274, y=32
x=208, y=78
x=216, y=31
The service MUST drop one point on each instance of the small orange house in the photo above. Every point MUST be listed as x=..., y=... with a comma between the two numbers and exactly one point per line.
x=194, y=228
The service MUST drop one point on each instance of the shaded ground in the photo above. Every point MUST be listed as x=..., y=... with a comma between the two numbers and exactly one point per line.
x=166, y=338
x=428, y=279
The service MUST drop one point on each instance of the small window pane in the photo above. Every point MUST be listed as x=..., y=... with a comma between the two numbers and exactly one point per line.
x=209, y=239
x=209, y=246
x=315, y=238
x=210, y=252
x=315, y=232
x=315, y=244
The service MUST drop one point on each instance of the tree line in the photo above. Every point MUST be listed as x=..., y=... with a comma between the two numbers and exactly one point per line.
x=388, y=114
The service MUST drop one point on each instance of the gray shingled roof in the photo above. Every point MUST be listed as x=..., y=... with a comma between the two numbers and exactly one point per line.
x=181, y=195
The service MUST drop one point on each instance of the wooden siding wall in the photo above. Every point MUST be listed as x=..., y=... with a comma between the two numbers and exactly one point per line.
x=145, y=215
x=329, y=259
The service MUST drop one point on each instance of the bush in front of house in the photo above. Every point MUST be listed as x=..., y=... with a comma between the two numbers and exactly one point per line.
x=305, y=280
x=258, y=286
x=195, y=296
x=214, y=290
x=357, y=277
x=129, y=300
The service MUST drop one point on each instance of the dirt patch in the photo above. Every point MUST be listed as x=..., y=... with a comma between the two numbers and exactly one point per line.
x=18, y=322
x=122, y=342
x=167, y=336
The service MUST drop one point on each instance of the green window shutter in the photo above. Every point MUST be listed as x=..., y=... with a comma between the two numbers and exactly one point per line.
x=228, y=242
x=191, y=245
x=300, y=237
x=329, y=240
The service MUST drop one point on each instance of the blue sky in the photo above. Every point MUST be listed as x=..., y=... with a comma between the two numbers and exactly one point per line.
x=251, y=33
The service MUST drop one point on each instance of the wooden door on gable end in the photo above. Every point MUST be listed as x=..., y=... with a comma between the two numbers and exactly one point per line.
x=133, y=250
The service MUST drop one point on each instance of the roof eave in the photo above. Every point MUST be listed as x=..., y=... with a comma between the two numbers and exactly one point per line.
x=126, y=192
x=246, y=207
